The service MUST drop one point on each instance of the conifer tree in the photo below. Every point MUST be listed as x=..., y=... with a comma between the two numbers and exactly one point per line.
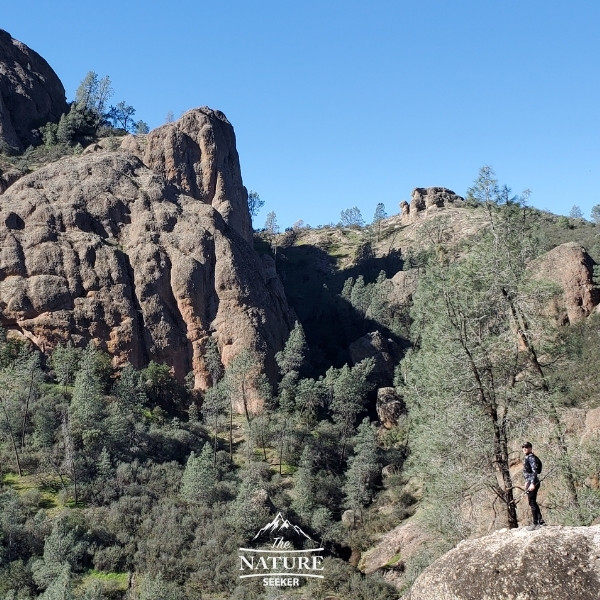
x=362, y=468
x=199, y=477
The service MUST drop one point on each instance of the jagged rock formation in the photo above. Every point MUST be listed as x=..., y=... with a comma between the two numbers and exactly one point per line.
x=425, y=198
x=546, y=564
x=572, y=268
x=385, y=352
x=390, y=407
x=30, y=93
x=101, y=247
x=197, y=154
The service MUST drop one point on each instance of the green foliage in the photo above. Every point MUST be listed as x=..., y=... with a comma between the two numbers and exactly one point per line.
x=363, y=468
x=351, y=217
x=199, y=477
x=254, y=204
x=576, y=212
x=141, y=128
x=93, y=94
x=292, y=357
x=65, y=361
x=595, y=214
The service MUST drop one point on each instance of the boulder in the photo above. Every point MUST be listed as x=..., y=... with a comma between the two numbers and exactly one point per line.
x=423, y=199
x=546, y=564
x=197, y=154
x=31, y=93
x=394, y=550
x=384, y=351
x=101, y=247
x=390, y=407
x=572, y=268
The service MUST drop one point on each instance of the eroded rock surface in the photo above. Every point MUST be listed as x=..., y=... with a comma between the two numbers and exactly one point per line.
x=197, y=154
x=423, y=199
x=101, y=247
x=30, y=93
x=572, y=268
x=546, y=564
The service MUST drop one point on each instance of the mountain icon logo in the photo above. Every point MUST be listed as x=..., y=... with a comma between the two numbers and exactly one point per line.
x=281, y=525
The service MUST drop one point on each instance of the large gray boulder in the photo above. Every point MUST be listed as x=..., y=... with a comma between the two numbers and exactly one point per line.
x=31, y=93
x=547, y=564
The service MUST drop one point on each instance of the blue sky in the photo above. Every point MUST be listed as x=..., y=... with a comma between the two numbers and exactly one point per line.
x=341, y=103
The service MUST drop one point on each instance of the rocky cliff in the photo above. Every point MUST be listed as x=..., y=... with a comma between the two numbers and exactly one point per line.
x=30, y=93
x=197, y=154
x=547, y=564
x=103, y=247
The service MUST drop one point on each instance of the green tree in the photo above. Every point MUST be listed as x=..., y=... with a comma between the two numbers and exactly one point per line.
x=65, y=361
x=595, y=214
x=348, y=388
x=304, y=482
x=271, y=225
x=121, y=116
x=60, y=587
x=141, y=128
x=378, y=218
x=86, y=411
x=363, y=467
x=199, y=477
x=352, y=217
x=63, y=548
x=576, y=212
x=216, y=402
x=92, y=94
x=254, y=204
x=473, y=379
x=293, y=355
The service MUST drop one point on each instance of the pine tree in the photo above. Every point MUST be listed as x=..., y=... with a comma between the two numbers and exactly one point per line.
x=304, y=481
x=348, y=388
x=199, y=477
x=64, y=361
x=362, y=468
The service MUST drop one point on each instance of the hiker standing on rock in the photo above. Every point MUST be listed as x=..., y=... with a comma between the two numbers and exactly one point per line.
x=532, y=467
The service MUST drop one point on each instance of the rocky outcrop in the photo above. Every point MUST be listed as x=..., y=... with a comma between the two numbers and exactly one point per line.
x=31, y=94
x=198, y=155
x=101, y=247
x=425, y=198
x=546, y=564
x=572, y=268
x=390, y=407
x=385, y=352
x=398, y=547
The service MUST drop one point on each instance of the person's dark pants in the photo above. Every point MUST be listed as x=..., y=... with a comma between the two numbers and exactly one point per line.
x=536, y=513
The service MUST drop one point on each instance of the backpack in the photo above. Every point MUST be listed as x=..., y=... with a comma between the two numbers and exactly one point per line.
x=538, y=462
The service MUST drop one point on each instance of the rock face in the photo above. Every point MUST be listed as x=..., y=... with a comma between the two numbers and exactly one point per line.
x=30, y=93
x=571, y=267
x=197, y=154
x=101, y=247
x=394, y=550
x=425, y=198
x=550, y=563
x=384, y=351
x=390, y=407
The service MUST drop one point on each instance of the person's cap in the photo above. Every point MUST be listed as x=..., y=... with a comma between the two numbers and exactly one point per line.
x=526, y=445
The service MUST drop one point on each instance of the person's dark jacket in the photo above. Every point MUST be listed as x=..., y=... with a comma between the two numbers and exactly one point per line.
x=530, y=469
